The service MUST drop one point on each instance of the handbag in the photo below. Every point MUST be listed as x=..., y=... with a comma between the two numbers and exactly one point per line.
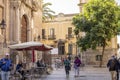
x=75, y=66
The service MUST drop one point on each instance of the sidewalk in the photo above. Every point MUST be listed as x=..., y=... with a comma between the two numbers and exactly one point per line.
x=86, y=73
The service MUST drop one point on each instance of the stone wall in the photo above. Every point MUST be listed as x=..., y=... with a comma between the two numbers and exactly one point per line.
x=90, y=57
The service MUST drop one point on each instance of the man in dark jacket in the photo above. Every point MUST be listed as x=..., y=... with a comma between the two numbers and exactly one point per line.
x=113, y=66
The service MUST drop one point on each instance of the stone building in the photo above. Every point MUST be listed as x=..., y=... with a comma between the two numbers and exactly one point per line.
x=23, y=23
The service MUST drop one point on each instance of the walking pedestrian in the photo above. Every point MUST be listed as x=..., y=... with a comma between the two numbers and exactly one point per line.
x=118, y=70
x=69, y=57
x=113, y=66
x=6, y=66
x=77, y=63
x=67, y=66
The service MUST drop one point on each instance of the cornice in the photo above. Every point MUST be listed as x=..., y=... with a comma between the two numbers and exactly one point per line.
x=66, y=20
x=33, y=6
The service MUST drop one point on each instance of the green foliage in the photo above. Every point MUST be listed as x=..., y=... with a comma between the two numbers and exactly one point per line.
x=100, y=22
x=47, y=12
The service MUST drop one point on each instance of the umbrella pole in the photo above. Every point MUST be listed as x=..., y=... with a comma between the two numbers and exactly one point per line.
x=24, y=56
x=33, y=56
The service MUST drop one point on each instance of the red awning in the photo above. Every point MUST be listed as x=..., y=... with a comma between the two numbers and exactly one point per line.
x=31, y=46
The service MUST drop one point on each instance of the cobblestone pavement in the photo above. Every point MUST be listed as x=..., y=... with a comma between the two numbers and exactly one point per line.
x=86, y=73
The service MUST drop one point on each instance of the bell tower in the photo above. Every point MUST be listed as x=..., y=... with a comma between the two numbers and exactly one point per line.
x=81, y=4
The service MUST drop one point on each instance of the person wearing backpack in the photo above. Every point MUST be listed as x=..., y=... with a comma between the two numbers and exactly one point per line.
x=113, y=66
x=67, y=66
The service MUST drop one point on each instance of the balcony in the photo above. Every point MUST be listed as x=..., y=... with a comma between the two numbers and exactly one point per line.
x=44, y=37
x=69, y=36
x=51, y=37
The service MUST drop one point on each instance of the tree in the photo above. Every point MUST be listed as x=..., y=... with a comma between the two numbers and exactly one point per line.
x=99, y=21
x=47, y=12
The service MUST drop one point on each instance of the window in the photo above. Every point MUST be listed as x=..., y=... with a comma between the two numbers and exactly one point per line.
x=98, y=57
x=43, y=33
x=52, y=31
x=70, y=47
x=61, y=48
x=51, y=35
x=69, y=30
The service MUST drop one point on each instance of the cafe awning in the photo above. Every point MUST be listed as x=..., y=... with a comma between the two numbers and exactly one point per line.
x=30, y=46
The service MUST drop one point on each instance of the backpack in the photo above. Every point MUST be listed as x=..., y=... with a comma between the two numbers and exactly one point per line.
x=66, y=63
x=112, y=64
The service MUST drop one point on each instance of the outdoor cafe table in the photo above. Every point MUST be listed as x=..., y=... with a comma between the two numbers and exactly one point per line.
x=38, y=71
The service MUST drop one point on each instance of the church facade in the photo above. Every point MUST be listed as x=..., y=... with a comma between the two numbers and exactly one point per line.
x=23, y=20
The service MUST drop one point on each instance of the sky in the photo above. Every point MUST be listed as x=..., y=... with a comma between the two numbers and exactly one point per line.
x=118, y=1
x=64, y=6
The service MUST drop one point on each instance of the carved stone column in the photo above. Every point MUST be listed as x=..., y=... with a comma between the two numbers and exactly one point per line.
x=17, y=24
x=14, y=21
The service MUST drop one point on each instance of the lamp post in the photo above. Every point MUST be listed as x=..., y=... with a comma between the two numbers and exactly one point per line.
x=3, y=28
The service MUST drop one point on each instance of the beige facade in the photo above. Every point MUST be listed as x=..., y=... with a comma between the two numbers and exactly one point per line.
x=59, y=33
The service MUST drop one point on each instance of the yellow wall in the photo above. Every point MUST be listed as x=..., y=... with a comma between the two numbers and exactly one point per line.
x=60, y=23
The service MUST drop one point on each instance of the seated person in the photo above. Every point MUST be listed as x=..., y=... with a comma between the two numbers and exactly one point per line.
x=40, y=63
x=19, y=68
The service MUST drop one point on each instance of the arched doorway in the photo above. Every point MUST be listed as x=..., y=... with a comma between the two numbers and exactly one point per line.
x=26, y=56
x=24, y=29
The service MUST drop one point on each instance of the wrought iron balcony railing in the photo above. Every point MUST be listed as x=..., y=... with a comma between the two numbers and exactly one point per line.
x=51, y=37
x=44, y=37
x=69, y=36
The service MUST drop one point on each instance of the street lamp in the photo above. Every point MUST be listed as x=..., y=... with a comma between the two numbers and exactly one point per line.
x=3, y=28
